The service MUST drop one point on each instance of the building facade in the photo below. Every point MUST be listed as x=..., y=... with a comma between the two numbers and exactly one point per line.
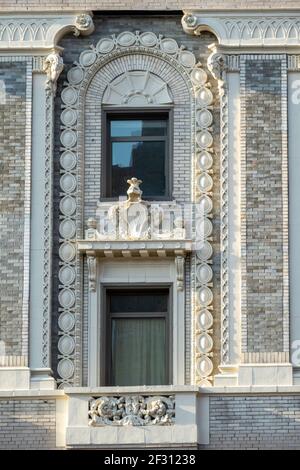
x=150, y=217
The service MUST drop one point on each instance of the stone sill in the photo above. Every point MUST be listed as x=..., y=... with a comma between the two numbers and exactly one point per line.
x=257, y=389
x=32, y=394
x=140, y=390
x=178, y=389
x=154, y=390
x=160, y=390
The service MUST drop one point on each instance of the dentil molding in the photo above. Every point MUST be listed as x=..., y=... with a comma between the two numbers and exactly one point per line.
x=246, y=29
x=41, y=31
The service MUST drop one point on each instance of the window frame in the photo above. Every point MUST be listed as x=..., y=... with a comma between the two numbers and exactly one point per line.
x=105, y=322
x=106, y=157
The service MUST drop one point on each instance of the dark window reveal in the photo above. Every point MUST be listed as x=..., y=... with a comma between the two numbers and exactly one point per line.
x=137, y=145
x=138, y=337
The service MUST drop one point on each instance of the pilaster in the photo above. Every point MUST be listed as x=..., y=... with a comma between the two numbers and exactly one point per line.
x=254, y=43
x=34, y=40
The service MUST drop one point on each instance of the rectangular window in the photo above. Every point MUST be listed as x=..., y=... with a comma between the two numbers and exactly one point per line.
x=137, y=337
x=137, y=145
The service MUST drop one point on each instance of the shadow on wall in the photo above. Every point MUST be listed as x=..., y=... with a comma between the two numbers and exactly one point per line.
x=27, y=424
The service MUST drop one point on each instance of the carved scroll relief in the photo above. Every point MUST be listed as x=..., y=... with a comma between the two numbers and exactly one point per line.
x=132, y=411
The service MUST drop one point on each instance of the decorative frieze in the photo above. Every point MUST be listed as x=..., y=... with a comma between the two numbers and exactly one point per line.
x=242, y=29
x=41, y=31
x=131, y=410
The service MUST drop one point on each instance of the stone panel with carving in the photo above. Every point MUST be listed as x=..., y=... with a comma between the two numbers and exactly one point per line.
x=132, y=410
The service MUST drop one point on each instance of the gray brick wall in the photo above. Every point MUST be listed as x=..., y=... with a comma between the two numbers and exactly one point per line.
x=12, y=186
x=27, y=424
x=254, y=422
x=105, y=26
x=263, y=250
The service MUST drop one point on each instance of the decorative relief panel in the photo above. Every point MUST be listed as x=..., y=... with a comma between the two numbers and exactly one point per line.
x=137, y=88
x=24, y=30
x=71, y=229
x=132, y=410
x=262, y=28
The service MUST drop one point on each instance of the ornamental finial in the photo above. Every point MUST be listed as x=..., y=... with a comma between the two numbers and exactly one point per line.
x=134, y=192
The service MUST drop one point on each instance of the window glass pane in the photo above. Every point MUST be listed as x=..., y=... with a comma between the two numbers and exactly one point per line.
x=139, y=352
x=137, y=128
x=143, y=160
x=139, y=302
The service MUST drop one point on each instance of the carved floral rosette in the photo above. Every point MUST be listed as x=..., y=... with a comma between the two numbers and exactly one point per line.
x=132, y=410
x=71, y=226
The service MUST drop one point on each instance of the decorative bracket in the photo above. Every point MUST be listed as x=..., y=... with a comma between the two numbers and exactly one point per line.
x=53, y=66
x=83, y=25
x=217, y=66
x=92, y=270
x=179, y=261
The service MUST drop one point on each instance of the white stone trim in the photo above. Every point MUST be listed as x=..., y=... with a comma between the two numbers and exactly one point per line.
x=38, y=226
x=73, y=96
x=126, y=273
x=230, y=229
x=294, y=212
x=184, y=432
x=217, y=64
x=137, y=88
x=41, y=273
x=61, y=416
x=40, y=31
x=14, y=378
x=53, y=72
x=246, y=29
x=234, y=217
x=47, y=242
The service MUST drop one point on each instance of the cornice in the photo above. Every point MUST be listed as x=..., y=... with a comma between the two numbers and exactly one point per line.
x=246, y=29
x=41, y=32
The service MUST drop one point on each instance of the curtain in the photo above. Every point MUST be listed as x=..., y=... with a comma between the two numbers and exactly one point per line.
x=139, y=351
